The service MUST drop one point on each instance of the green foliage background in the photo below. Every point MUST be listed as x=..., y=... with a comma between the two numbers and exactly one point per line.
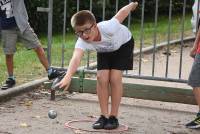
x=39, y=20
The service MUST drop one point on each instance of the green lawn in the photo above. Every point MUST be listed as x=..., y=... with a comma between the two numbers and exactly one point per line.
x=27, y=66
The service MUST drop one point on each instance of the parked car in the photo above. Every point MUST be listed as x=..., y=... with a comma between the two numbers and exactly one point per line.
x=196, y=15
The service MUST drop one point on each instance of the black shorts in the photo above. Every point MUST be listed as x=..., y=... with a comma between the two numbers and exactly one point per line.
x=121, y=59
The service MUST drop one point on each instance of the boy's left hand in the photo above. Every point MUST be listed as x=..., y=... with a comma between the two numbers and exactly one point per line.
x=134, y=5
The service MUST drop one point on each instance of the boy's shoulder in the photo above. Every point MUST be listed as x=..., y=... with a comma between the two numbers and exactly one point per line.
x=108, y=24
x=109, y=27
x=110, y=21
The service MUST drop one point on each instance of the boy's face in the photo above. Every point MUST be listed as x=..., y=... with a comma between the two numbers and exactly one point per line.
x=87, y=32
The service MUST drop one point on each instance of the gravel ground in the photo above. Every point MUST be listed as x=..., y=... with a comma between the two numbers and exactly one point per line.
x=28, y=114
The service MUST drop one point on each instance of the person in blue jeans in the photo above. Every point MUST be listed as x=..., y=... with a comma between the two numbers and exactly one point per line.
x=15, y=26
x=114, y=45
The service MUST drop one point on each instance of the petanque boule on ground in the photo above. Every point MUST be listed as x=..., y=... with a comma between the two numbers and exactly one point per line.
x=52, y=114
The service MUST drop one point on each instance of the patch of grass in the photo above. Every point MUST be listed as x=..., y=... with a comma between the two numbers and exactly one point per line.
x=27, y=66
x=161, y=29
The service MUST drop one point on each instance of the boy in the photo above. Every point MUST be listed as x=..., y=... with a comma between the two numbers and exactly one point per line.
x=14, y=25
x=114, y=45
x=194, y=78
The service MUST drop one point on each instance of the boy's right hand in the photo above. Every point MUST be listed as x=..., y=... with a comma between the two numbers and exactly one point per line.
x=64, y=83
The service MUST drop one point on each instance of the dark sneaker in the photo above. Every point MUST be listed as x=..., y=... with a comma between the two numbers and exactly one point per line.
x=112, y=123
x=198, y=114
x=194, y=124
x=54, y=73
x=100, y=123
x=8, y=84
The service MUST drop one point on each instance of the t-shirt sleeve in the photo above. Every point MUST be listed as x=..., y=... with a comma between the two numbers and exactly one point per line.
x=110, y=26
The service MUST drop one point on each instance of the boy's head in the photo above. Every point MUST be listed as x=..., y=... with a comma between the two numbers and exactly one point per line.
x=84, y=24
x=82, y=17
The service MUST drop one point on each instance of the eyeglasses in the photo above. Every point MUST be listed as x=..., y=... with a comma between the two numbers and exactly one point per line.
x=86, y=31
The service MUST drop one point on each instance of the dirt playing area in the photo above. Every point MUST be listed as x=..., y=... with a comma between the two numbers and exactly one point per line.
x=161, y=65
x=28, y=113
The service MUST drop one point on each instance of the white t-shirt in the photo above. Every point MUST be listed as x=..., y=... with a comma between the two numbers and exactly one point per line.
x=113, y=36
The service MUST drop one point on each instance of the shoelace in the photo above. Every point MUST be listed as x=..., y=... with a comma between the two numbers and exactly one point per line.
x=197, y=120
x=112, y=120
x=101, y=119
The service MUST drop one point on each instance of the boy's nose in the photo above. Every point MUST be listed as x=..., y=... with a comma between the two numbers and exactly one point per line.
x=84, y=36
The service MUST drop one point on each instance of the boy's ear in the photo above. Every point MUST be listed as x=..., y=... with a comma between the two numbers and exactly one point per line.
x=95, y=24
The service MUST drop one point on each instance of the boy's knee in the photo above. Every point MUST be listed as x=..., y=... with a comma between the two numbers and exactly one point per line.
x=115, y=80
x=101, y=79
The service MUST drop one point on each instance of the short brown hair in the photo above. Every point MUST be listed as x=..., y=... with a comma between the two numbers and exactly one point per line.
x=82, y=17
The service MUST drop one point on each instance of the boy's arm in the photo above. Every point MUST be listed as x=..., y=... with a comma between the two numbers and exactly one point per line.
x=73, y=66
x=124, y=11
x=75, y=61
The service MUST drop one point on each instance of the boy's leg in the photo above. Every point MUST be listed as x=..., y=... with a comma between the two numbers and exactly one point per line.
x=116, y=91
x=103, y=96
x=102, y=90
x=116, y=94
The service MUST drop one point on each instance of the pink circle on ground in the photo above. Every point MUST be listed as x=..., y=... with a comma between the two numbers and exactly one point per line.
x=86, y=125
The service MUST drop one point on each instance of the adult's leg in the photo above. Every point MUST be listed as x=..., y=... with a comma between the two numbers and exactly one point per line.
x=9, y=39
x=10, y=82
x=196, y=122
x=116, y=90
x=31, y=41
x=102, y=90
x=52, y=73
x=9, y=64
x=196, y=92
x=194, y=82
x=41, y=55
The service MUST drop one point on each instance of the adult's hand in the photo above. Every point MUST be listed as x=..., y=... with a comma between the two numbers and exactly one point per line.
x=193, y=52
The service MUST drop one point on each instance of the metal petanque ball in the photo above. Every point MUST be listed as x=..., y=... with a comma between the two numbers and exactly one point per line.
x=52, y=114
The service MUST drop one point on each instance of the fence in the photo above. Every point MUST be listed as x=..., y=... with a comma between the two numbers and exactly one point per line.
x=157, y=71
